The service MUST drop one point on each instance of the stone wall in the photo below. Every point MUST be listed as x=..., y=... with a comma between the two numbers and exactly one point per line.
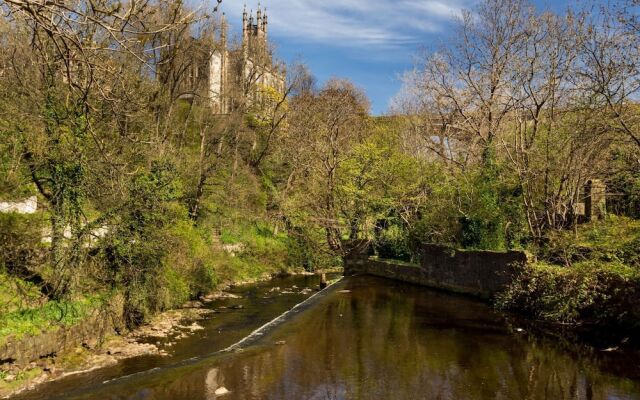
x=479, y=273
x=26, y=349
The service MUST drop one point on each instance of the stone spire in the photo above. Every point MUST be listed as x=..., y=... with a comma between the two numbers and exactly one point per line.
x=259, y=26
x=259, y=16
x=245, y=24
x=223, y=30
x=265, y=23
x=244, y=17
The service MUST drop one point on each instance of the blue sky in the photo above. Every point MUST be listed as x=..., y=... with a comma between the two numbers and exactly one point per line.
x=371, y=42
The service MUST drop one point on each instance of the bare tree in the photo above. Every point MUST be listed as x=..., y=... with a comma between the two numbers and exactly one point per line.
x=324, y=126
x=467, y=85
x=609, y=68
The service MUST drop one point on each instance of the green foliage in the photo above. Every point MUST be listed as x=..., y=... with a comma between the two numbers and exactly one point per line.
x=17, y=294
x=589, y=292
x=50, y=315
x=261, y=249
x=20, y=247
x=493, y=216
x=625, y=183
x=378, y=179
x=227, y=237
x=135, y=252
x=14, y=182
x=306, y=249
x=393, y=243
x=615, y=239
x=591, y=276
x=190, y=266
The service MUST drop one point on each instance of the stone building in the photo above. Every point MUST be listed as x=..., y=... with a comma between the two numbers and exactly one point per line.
x=231, y=77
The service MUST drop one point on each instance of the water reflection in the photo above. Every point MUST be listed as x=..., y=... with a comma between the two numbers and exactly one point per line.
x=378, y=340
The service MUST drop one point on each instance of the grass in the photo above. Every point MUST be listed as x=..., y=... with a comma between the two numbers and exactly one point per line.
x=49, y=316
x=264, y=252
x=613, y=240
x=16, y=294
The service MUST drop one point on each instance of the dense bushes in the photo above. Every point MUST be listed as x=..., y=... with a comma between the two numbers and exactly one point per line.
x=615, y=239
x=482, y=210
x=34, y=320
x=591, y=276
x=393, y=243
x=587, y=293
x=150, y=254
x=21, y=252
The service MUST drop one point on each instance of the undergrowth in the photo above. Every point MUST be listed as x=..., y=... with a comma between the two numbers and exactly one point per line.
x=590, y=277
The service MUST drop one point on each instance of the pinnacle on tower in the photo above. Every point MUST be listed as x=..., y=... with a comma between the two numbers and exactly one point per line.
x=265, y=22
x=245, y=20
x=223, y=28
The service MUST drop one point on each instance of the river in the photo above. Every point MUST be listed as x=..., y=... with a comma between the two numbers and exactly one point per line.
x=367, y=338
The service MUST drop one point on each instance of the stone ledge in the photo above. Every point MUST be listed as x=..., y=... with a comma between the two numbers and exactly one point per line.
x=474, y=272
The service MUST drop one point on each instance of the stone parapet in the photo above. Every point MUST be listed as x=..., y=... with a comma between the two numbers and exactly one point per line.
x=474, y=272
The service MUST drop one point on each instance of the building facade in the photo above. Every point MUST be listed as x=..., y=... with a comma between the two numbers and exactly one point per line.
x=232, y=77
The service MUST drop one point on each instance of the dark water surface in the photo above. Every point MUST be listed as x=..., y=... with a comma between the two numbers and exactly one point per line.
x=374, y=339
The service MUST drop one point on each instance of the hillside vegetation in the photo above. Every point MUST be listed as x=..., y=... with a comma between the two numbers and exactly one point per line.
x=148, y=198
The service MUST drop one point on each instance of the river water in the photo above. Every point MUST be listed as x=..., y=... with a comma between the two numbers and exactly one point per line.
x=368, y=338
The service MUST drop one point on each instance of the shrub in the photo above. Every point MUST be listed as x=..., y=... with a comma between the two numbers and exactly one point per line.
x=50, y=315
x=20, y=237
x=21, y=252
x=393, y=243
x=615, y=239
x=587, y=293
x=190, y=262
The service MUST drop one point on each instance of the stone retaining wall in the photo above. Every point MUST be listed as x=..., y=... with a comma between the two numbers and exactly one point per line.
x=29, y=348
x=479, y=273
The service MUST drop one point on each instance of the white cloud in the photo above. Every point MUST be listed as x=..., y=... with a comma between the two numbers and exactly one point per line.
x=354, y=23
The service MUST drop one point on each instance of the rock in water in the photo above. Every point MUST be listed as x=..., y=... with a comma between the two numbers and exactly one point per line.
x=221, y=391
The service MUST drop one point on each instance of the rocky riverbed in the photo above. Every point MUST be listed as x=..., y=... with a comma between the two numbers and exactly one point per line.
x=158, y=338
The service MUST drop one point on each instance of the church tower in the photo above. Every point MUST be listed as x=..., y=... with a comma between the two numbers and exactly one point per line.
x=240, y=75
x=254, y=35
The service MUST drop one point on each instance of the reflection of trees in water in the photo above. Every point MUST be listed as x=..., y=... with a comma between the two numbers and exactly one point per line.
x=212, y=383
x=385, y=342
x=374, y=344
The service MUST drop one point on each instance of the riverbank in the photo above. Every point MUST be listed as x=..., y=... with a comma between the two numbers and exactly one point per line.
x=586, y=280
x=157, y=338
x=590, y=278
